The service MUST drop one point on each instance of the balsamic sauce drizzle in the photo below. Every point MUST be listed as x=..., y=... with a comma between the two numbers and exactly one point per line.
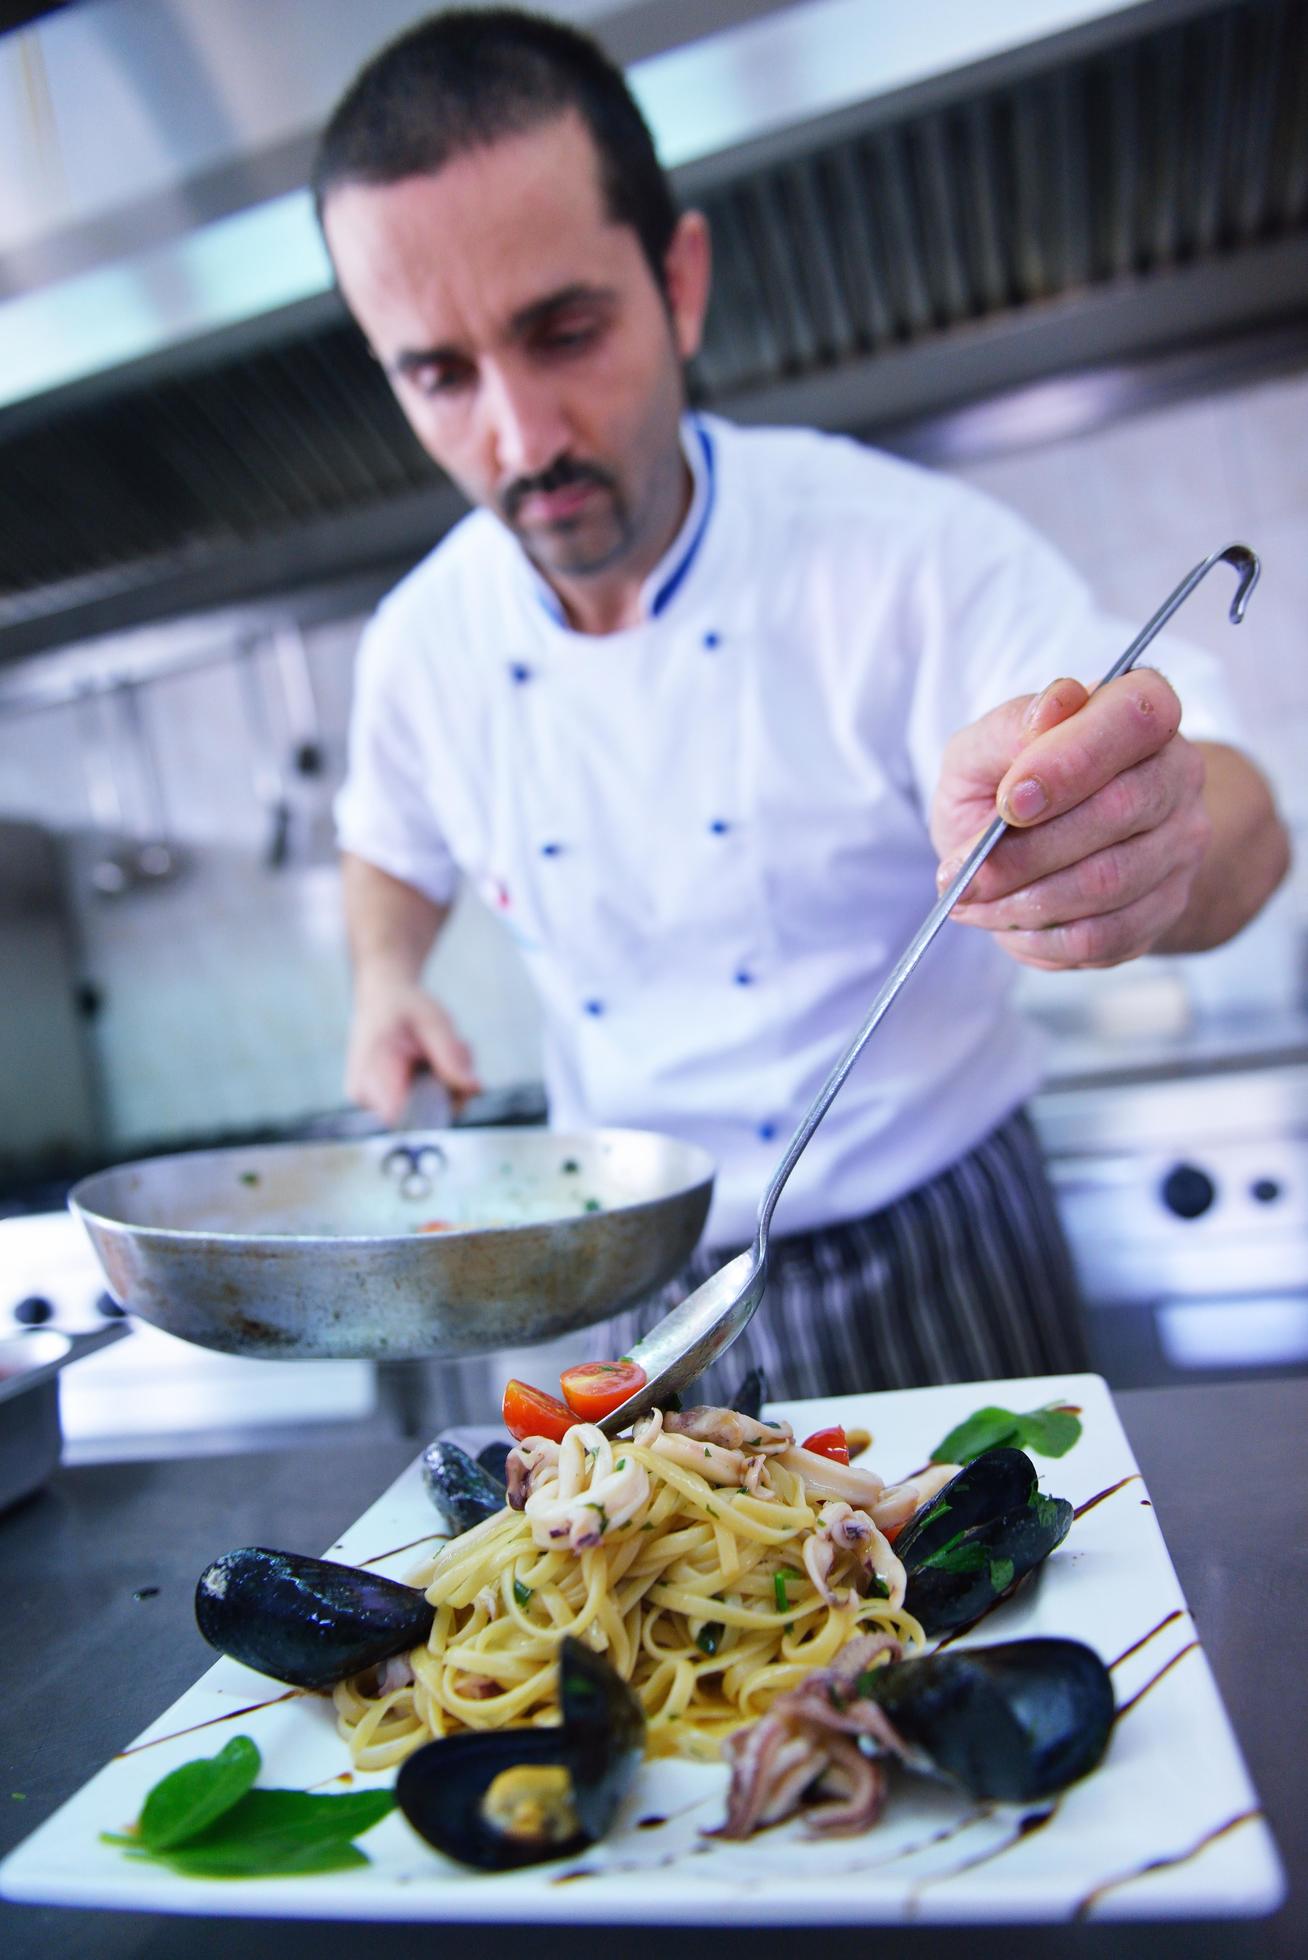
x=1191, y=1647
x=1145, y=1638
x=412, y=1545
x=1111, y=1491
x=292, y=1694
x=1086, y=1905
x=1025, y=1827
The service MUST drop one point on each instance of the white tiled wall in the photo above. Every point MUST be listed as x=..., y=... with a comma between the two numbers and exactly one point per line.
x=225, y=990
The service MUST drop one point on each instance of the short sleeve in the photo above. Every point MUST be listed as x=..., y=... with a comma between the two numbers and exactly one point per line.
x=1001, y=613
x=384, y=811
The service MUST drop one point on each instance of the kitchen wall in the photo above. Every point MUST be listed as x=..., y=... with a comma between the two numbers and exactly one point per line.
x=218, y=994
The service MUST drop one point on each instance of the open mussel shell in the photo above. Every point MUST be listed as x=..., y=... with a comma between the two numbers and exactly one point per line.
x=1013, y=1722
x=463, y=1492
x=494, y=1460
x=977, y=1538
x=445, y=1789
x=306, y=1620
x=993, y=1483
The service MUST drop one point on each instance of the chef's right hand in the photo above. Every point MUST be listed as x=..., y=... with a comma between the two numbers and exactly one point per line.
x=397, y=1031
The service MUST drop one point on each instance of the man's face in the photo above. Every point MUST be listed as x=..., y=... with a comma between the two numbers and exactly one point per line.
x=528, y=342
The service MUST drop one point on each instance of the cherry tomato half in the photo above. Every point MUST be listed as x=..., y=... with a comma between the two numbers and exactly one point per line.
x=529, y=1411
x=595, y=1388
x=830, y=1443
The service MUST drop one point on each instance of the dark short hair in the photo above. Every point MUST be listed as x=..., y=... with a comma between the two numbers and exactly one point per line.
x=467, y=78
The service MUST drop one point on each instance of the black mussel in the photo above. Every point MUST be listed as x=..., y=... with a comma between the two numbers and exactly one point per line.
x=494, y=1460
x=306, y=1620
x=993, y=1483
x=496, y=1798
x=977, y=1538
x=459, y=1487
x=749, y=1398
x=1015, y=1721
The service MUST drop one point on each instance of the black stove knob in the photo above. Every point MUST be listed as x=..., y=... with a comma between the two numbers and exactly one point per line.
x=109, y=1307
x=34, y=1311
x=1188, y=1191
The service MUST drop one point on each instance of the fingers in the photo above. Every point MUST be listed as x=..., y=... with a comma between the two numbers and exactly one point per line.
x=1104, y=881
x=1105, y=940
x=377, y=1077
x=978, y=756
x=1137, y=801
x=447, y=1054
x=393, y=1038
x=1119, y=725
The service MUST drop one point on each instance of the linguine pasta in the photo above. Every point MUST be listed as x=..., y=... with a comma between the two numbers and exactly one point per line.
x=712, y=1577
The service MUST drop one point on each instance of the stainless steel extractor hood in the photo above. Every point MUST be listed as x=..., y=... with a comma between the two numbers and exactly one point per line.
x=912, y=208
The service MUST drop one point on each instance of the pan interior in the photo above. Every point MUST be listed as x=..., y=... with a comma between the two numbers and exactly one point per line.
x=393, y=1186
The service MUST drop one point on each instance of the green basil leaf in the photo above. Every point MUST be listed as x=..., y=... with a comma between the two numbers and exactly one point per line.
x=1050, y=1431
x=206, y=1820
x=289, y=1860
x=277, y=1815
x=986, y=1429
x=191, y=1798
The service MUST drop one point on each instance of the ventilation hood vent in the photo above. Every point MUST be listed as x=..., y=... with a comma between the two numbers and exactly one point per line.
x=885, y=269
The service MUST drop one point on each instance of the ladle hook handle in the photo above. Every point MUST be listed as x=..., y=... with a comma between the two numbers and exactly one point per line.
x=1246, y=564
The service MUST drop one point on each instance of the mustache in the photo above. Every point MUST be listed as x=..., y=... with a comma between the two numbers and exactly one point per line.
x=562, y=474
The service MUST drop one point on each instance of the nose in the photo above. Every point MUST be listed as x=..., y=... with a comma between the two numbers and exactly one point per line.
x=524, y=422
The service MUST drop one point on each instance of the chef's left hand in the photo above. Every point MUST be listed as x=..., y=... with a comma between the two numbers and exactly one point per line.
x=1110, y=829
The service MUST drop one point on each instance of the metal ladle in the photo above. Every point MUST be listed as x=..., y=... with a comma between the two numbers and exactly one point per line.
x=690, y=1338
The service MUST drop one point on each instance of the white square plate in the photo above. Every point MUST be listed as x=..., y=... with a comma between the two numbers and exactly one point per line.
x=1168, y=1825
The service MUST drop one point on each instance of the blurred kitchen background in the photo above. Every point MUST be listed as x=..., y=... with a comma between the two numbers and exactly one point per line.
x=1059, y=249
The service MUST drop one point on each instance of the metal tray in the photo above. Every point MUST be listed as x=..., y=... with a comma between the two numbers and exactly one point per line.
x=296, y=1250
x=31, y=1435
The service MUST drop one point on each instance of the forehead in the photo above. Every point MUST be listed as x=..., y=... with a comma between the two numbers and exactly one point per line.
x=456, y=254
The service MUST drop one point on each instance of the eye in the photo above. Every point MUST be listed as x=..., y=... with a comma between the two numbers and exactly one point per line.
x=569, y=334
x=431, y=378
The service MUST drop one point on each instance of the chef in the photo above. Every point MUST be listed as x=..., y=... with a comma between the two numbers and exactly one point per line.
x=706, y=715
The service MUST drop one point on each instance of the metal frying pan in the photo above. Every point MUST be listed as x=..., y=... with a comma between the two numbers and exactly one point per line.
x=295, y=1251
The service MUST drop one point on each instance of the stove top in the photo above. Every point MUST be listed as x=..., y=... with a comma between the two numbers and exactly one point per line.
x=151, y=1394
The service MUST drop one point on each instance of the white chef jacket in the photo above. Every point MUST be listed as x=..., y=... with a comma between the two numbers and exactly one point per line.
x=707, y=833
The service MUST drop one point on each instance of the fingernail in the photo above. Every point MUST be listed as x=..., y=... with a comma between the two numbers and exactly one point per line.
x=1024, y=801
x=1034, y=706
x=947, y=873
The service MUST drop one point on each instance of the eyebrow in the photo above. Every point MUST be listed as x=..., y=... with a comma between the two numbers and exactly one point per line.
x=521, y=324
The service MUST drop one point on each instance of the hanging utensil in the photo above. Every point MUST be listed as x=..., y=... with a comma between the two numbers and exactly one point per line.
x=270, y=785
x=689, y=1339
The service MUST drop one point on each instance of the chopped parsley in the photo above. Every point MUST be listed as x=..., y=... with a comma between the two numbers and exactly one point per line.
x=521, y=1593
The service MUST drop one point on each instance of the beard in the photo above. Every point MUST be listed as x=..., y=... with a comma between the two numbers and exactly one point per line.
x=589, y=540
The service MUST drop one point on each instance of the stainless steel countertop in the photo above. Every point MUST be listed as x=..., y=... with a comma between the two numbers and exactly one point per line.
x=1083, y=1052
x=88, y=1664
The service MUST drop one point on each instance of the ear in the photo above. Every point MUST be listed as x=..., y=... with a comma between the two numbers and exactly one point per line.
x=686, y=272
